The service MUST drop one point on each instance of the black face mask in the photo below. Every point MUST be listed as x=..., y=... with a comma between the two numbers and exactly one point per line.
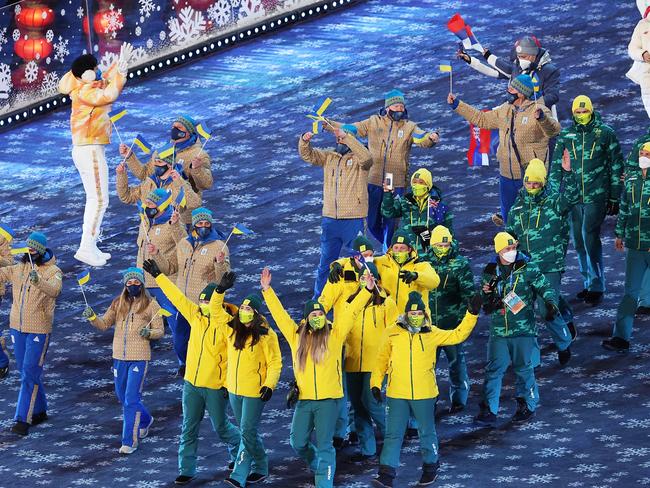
x=177, y=134
x=342, y=149
x=134, y=290
x=203, y=232
x=160, y=170
x=151, y=212
x=37, y=258
x=397, y=116
x=513, y=97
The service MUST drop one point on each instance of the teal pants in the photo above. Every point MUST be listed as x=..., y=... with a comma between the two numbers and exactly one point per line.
x=585, y=222
x=365, y=410
x=521, y=352
x=251, y=456
x=637, y=265
x=558, y=326
x=319, y=416
x=644, y=295
x=397, y=417
x=343, y=415
x=195, y=401
x=458, y=377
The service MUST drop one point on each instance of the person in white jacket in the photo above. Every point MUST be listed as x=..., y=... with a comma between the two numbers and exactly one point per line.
x=639, y=51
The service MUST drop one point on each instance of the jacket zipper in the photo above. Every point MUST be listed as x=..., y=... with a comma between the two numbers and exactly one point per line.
x=336, y=187
x=126, y=330
x=259, y=367
x=237, y=373
x=90, y=116
x=582, y=163
x=23, y=292
x=640, y=210
x=383, y=173
x=189, y=271
x=198, y=364
x=411, y=364
x=363, y=325
x=315, y=383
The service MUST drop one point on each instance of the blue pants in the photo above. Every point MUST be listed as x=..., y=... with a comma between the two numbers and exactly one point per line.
x=380, y=227
x=558, y=326
x=397, y=415
x=366, y=410
x=637, y=265
x=177, y=324
x=195, y=402
x=319, y=416
x=248, y=411
x=129, y=380
x=644, y=295
x=522, y=353
x=508, y=190
x=30, y=351
x=585, y=222
x=458, y=377
x=335, y=235
x=4, y=354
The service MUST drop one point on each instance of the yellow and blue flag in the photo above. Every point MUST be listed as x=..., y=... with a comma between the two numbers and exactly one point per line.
x=116, y=115
x=142, y=144
x=181, y=200
x=419, y=136
x=166, y=151
x=204, y=131
x=19, y=250
x=445, y=67
x=7, y=232
x=241, y=229
x=319, y=108
x=83, y=277
x=164, y=313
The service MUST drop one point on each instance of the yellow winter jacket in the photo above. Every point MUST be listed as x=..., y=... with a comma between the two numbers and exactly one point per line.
x=334, y=295
x=251, y=368
x=364, y=339
x=207, y=359
x=91, y=104
x=389, y=271
x=323, y=380
x=410, y=359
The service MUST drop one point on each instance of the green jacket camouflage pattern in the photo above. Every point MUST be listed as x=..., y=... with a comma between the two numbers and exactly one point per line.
x=527, y=281
x=633, y=223
x=596, y=158
x=539, y=221
x=448, y=302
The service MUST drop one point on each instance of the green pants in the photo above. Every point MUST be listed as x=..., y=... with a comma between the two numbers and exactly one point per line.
x=397, y=417
x=365, y=410
x=558, y=326
x=637, y=266
x=586, y=219
x=644, y=295
x=251, y=453
x=343, y=420
x=458, y=378
x=318, y=415
x=195, y=401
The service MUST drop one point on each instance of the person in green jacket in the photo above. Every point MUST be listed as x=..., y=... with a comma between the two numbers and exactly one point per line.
x=447, y=304
x=537, y=219
x=633, y=234
x=420, y=209
x=510, y=284
x=597, y=160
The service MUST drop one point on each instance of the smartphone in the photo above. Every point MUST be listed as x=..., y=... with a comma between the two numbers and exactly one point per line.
x=389, y=180
x=350, y=276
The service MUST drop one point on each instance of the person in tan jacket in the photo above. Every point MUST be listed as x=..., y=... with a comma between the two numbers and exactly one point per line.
x=36, y=282
x=390, y=139
x=525, y=126
x=189, y=154
x=137, y=321
x=6, y=236
x=345, y=194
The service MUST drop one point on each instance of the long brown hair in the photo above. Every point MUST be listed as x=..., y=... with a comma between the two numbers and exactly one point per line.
x=311, y=342
x=138, y=304
x=242, y=331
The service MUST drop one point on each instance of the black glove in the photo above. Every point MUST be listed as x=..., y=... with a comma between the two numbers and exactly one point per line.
x=151, y=267
x=293, y=395
x=551, y=311
x=425, y=235
x=224, y=392
x=376, y=392
x=487, y=54
x=336, y=272
x=462, y=54
x=227, y=280
x=266, y=393
x=612, y=208
x=474, y=304
x=408, y=276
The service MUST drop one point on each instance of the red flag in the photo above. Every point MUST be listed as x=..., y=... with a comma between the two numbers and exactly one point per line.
x=456, y=24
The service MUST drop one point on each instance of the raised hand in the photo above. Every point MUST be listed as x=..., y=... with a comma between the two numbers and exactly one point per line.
x=265, y=279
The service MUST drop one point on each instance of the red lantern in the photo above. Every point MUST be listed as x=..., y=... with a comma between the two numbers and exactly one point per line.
x=35, y=17
x=30, y=49
x=101, y=22
x=20, y=79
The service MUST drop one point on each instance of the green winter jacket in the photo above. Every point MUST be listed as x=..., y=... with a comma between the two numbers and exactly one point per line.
x=448, y=302
x=528, y=282
x=539, y=221
x=596, y=158
x=633, y=223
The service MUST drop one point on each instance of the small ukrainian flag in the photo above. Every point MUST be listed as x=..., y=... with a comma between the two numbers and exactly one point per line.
x=164, y=313
x=445, y=67
x=166, y=151
x=117, y=115
x=181, y=200
x=204, y=131
x=419, y=136
x=320, y=108
x=241, y=229
x=7, y=232
x=142, y=144
x=19, y=250
x=83, y=277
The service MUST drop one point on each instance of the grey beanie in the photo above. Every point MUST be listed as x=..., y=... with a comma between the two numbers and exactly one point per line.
x=527, y=45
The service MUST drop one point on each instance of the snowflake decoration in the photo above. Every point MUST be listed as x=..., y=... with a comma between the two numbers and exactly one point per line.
x=80, y=13
x=5, y=81
x=31, y=71
x=107, y=60
x=220, y=12
x=61, y=49
x=146, y=7
x=16, y=34
x=50, y=84
x=3, y=37
x=138, y=56
x=114, y=20
x=18, y=9
x=49, y=35
x=251, y=9
x=187, y=27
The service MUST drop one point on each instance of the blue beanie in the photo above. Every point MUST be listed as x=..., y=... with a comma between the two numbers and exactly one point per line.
x=158, y=196
x=524, y=85
x=349, y=128
x=188, y=122
x=393, y=97
x=201, y=213
x=133, y=273
x=38, y=242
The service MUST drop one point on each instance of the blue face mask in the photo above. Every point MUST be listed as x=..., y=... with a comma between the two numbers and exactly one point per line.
x=160, y=170
x=98, y=74
x=397, y=116
x=151, y=212
x=177, y=134
x=342, y=149
x=134, y=290
x=203, y=232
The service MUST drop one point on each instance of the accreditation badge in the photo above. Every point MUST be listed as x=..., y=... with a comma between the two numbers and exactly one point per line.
x=514, y=303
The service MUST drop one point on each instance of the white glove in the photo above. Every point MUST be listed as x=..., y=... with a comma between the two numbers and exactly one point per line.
x=126, y=51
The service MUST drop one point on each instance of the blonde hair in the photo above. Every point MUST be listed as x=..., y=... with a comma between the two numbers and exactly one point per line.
x=311, y=342
x=138, y=305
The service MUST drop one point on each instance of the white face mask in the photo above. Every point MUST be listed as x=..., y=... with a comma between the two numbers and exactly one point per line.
x=644, y=162
x=524, y=63
x=369, y=259
x=509, y=256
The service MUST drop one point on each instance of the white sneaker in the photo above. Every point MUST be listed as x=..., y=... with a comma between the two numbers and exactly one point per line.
x=89, y=257
x=102, y=254
x=144, y=432
x=127, y=450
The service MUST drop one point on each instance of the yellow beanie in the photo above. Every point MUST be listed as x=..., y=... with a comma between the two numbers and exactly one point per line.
x=502, y=240
x=440, y=234
x=582, y=101
x=425, y=175
x=646, y=147
x=535, y=172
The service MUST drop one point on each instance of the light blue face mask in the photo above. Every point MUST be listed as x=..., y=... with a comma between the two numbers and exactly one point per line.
x=98, y=74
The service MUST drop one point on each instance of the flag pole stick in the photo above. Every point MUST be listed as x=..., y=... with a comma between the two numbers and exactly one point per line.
x=127, y=153
x=117, y=132
x=227, y=239
x=451, y=89
x=31, y=263
x=83, y=293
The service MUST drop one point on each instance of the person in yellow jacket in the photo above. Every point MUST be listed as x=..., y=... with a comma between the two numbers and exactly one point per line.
x=137, y=320
x=204, y=386
x=408, y=356
x=316, y=348
x=255, y=365
x=6, y=259
x=361, y=349
x=92, y=94
x=402, y=271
